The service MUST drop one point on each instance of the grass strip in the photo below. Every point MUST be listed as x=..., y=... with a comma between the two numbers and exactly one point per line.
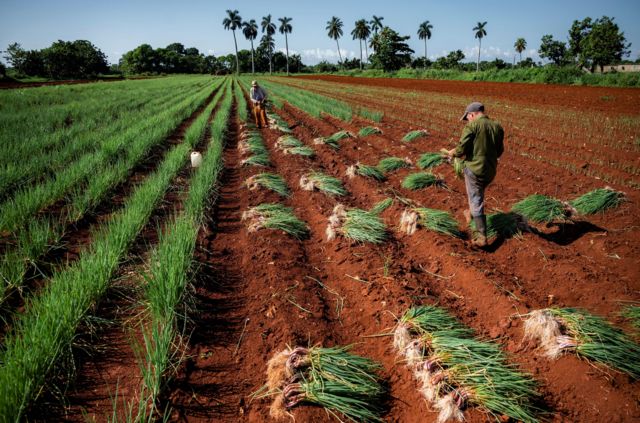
x=171, y=262
x=47, y=327
x=540, y=208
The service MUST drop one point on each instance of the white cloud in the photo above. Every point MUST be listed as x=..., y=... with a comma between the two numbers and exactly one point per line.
x=315, y=55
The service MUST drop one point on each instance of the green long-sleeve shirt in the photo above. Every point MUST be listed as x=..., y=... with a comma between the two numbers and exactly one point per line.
x=481, y=143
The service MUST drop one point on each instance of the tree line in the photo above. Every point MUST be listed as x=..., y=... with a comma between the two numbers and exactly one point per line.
x=591, y=44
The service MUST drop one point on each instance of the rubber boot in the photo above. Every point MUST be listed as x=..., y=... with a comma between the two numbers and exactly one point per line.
x=480, y=237
x=467, y=216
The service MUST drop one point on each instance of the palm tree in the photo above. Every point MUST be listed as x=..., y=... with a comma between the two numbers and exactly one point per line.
x=233, y=21
x=286, y=28
x=520, y=45
x=361, y=32
x=334, y=26
x=250, y=31
x=376, y=24
x=480, y=32
x=424, y=33
x=270, y=28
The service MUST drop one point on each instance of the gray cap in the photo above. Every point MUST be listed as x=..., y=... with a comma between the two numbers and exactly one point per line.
x=473, y=107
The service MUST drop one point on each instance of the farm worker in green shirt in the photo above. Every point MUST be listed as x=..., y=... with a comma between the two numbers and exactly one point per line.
x=481, y=143
x=258, y=98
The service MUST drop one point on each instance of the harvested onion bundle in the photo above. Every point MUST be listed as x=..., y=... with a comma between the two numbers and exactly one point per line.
x=329, y=377
x=456, y=370
x=413, y=135
x=540, y=208
x=597, y=201
x=421, y=180
x=505, y=225
x=432, y=219
x=364, y=170
x=369, y=130
x=390, y=164
x=428, y=160
x=558, y=330
x=275, y=216
x=322, y=182
x=269, y=181
x=356, y=224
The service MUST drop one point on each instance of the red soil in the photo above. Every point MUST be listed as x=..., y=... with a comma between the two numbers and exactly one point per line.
x=601, y=99
x=258, y=292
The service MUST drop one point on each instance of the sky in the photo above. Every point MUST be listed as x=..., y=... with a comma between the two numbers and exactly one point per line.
x=118, y=26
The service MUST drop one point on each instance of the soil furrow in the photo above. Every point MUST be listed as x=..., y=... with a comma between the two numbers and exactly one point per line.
x=475, y=289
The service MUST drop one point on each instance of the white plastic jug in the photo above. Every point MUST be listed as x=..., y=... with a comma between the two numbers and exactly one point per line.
x=196, y=159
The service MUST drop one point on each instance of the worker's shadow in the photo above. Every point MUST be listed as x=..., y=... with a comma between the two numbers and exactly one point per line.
x=566, y=233
x=561, y=233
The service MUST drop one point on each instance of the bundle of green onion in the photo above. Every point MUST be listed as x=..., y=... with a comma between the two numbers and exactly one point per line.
x=276, y=122
x=369, y=130
x=366, y=171
x=458, y=167
x=413, y=135
x=323, y=182
x=327, y=141
x=540, y=208
x=420, y=180
x=275, y=216
x=356, y=224
x=288, y=141
x=300, y=151
x=428, y=160
x=381, y=206
x=389, y=164
x=505, y=225
x=438, y=221
x=269, y=181
x=597, y=201
x=632, y=312
x=340, y=135
x=559, y=330
x=252, y=143
x=333, y=378
x=456, y=370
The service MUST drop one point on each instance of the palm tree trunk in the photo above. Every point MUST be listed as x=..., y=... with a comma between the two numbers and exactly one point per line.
x=425, y=54
x=253, y=67
x=236, y=44
x=339, y=54
x=270, y=69
x=521, y=56
x=286, y=42
x=360, y=53
x=366, y=50
x=479, y=48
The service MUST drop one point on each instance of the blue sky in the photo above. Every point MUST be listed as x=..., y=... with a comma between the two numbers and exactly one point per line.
x=119, y=25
